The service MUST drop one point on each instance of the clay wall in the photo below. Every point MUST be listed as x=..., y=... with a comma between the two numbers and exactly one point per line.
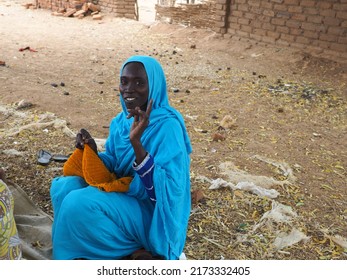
x=318, y=26
x=120, y=8
x=197, y=15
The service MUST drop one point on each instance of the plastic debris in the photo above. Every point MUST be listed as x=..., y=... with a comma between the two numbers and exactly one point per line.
x=236, y=175
x=12, y=152
x=339, y=240
x=285, y=240
x=282, y=166
x=247, y=186
x=279, y=213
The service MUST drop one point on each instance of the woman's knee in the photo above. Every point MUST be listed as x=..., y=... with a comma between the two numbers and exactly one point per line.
x=63, y=185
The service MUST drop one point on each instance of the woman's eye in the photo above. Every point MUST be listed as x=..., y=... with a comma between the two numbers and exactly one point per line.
x=141, y=82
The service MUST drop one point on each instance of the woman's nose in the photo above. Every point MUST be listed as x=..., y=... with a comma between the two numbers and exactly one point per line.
x=130, y=87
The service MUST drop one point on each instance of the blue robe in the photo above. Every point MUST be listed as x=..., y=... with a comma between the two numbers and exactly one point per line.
x=92, y=224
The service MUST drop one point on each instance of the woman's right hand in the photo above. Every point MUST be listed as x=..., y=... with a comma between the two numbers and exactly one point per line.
x=140, y=123
x=83, y=137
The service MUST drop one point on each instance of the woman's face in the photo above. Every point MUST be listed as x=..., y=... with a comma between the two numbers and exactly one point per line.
x=134, y=86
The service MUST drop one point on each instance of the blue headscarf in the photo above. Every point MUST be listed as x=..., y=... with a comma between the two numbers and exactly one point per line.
x=157, y=92
x=166, y=139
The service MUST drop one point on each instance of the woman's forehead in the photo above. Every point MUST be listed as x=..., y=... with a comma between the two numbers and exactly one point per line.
x=134, y=69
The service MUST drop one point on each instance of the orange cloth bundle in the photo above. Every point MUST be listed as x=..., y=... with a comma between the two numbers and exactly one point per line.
x=96, y=174
x=73, y=166
x=86, y=163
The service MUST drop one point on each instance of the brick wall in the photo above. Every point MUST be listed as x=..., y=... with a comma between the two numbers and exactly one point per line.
x=56, y=5
x=318, y=26
x=120, y=8
x=198, y=15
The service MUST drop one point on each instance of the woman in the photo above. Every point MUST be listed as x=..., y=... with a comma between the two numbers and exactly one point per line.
x=138, y=198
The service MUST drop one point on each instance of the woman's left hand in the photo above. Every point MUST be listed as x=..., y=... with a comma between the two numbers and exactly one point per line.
x=84, y=137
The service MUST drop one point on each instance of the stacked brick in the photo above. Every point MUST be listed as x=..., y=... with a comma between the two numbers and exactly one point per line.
x=319, y=26
x=199, y=15
x=120, y=8
x=58, y=5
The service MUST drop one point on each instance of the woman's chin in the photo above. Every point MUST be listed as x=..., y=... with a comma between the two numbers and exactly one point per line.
x=130, y=105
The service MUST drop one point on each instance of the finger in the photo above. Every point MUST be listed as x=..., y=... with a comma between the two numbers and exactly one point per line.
x=79, y=141
x=92, y=144
x=85, y=134
x=131, y=112
x=134, y=112
x=142, y=115
x=136, y=118
x=149, y=107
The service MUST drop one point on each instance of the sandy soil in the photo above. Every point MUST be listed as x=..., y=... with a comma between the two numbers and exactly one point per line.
x=286, y=106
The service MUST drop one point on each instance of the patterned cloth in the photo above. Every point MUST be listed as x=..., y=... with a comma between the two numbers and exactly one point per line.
x=10, y=245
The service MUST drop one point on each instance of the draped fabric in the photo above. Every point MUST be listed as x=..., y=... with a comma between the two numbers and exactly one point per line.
x=92, y=224
x=10, y=244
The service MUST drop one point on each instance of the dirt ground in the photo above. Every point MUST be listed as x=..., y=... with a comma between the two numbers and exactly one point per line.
x=287, y=124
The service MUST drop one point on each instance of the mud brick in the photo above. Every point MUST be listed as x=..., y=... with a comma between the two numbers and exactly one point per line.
x=57, y=14
x=287, y=37
x=256, y=37
x=341, y=15
x=295, y=9
x=79, y=13
x=93, y=7
x=27, y=5
x=327, y=37
x=281, y=42
x=293, y=23
x=254, y=3
x=315, y=19
x=269, y=13
x=311, y=34
x=259, y=32
x=339, y=47
x=97, y=17
x=278, y=21
x=70, y=12
x=274, y=35
x=85, y=7
x=280, y=7
x=332, y=21
x=328, y=13
x=309, y=26
x=269, y=40
x=308, y=3
x=246, y=28
x=302, y=40
x=291, y=2
x=282, y=29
